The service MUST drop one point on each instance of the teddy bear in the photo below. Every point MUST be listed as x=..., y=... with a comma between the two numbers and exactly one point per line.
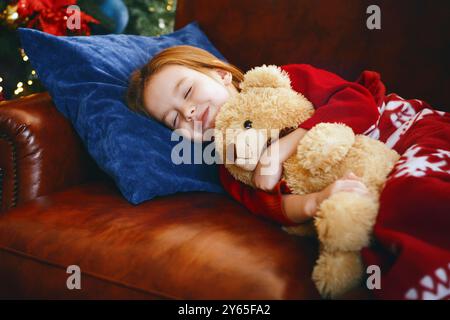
x=267, y=108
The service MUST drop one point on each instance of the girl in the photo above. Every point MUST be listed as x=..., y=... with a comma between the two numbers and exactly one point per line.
x=183, y=84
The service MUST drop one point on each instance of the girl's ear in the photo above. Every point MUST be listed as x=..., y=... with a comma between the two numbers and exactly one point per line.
x=224, y=75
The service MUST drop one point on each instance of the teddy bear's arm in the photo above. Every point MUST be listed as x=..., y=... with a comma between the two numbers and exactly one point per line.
x=324, y=146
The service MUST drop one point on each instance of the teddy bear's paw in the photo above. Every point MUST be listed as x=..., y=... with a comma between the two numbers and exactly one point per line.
x=302, y=230
x=337, y=272
x=324, y=146
x=345, y=221
x=270, y=76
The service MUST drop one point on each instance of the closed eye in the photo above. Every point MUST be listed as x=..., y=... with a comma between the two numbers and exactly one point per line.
x=187, y=93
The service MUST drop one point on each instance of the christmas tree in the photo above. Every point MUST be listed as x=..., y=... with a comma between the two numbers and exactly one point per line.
x=17, y=78
x=150, y=17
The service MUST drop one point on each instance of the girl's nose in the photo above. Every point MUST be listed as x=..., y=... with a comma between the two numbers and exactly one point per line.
x=189, y=113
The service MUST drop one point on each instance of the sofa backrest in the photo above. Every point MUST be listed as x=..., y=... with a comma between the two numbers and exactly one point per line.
x=410, y=50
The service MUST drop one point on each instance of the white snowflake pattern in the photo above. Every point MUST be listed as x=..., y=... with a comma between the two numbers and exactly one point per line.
x=399, y=112
x=395, y=137
x=435, y=286
x=417, y=166
x=405, y=113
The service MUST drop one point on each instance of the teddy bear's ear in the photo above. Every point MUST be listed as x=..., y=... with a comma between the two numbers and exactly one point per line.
x=270, y=76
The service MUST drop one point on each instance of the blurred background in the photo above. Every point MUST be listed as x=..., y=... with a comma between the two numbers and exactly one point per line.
x=17, y=77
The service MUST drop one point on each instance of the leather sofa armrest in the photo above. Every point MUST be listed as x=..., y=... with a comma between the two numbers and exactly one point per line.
x=40, y=152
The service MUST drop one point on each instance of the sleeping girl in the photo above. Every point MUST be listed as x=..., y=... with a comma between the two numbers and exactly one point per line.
x=182, y=85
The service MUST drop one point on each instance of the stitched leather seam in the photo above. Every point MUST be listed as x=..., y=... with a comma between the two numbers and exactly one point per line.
x=14, y=176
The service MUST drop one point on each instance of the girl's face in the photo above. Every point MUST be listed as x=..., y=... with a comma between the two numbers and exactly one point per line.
x=179, y=96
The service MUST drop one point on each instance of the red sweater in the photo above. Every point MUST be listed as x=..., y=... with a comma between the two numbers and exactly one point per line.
x=335, y=100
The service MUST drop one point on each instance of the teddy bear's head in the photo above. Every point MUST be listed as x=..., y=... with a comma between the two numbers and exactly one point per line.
x=266, y=109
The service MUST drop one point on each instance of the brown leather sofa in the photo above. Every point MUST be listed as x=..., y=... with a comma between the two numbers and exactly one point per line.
x=58, y=209
x=192, y=245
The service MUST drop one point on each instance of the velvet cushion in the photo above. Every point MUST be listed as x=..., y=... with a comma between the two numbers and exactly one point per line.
x=87, y=78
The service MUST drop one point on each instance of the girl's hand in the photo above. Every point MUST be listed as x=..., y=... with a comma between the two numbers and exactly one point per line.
x=270, y=166
x=349, y=183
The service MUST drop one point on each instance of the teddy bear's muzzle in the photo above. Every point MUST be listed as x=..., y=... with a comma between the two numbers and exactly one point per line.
x=248, y=146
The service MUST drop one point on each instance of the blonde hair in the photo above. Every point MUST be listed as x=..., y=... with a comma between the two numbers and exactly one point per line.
x=187, y=56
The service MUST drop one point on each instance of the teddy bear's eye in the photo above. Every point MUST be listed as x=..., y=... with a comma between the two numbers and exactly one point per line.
x=247, y=124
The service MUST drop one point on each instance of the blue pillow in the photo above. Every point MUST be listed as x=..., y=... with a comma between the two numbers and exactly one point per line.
x=87, y=78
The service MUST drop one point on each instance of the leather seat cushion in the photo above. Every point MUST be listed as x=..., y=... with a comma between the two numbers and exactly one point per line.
x=188, y=246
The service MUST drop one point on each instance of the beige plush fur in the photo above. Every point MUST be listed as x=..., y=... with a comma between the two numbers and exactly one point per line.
x=345, y=220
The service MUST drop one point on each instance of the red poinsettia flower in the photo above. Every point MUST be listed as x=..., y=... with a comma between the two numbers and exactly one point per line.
x=51, y=16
